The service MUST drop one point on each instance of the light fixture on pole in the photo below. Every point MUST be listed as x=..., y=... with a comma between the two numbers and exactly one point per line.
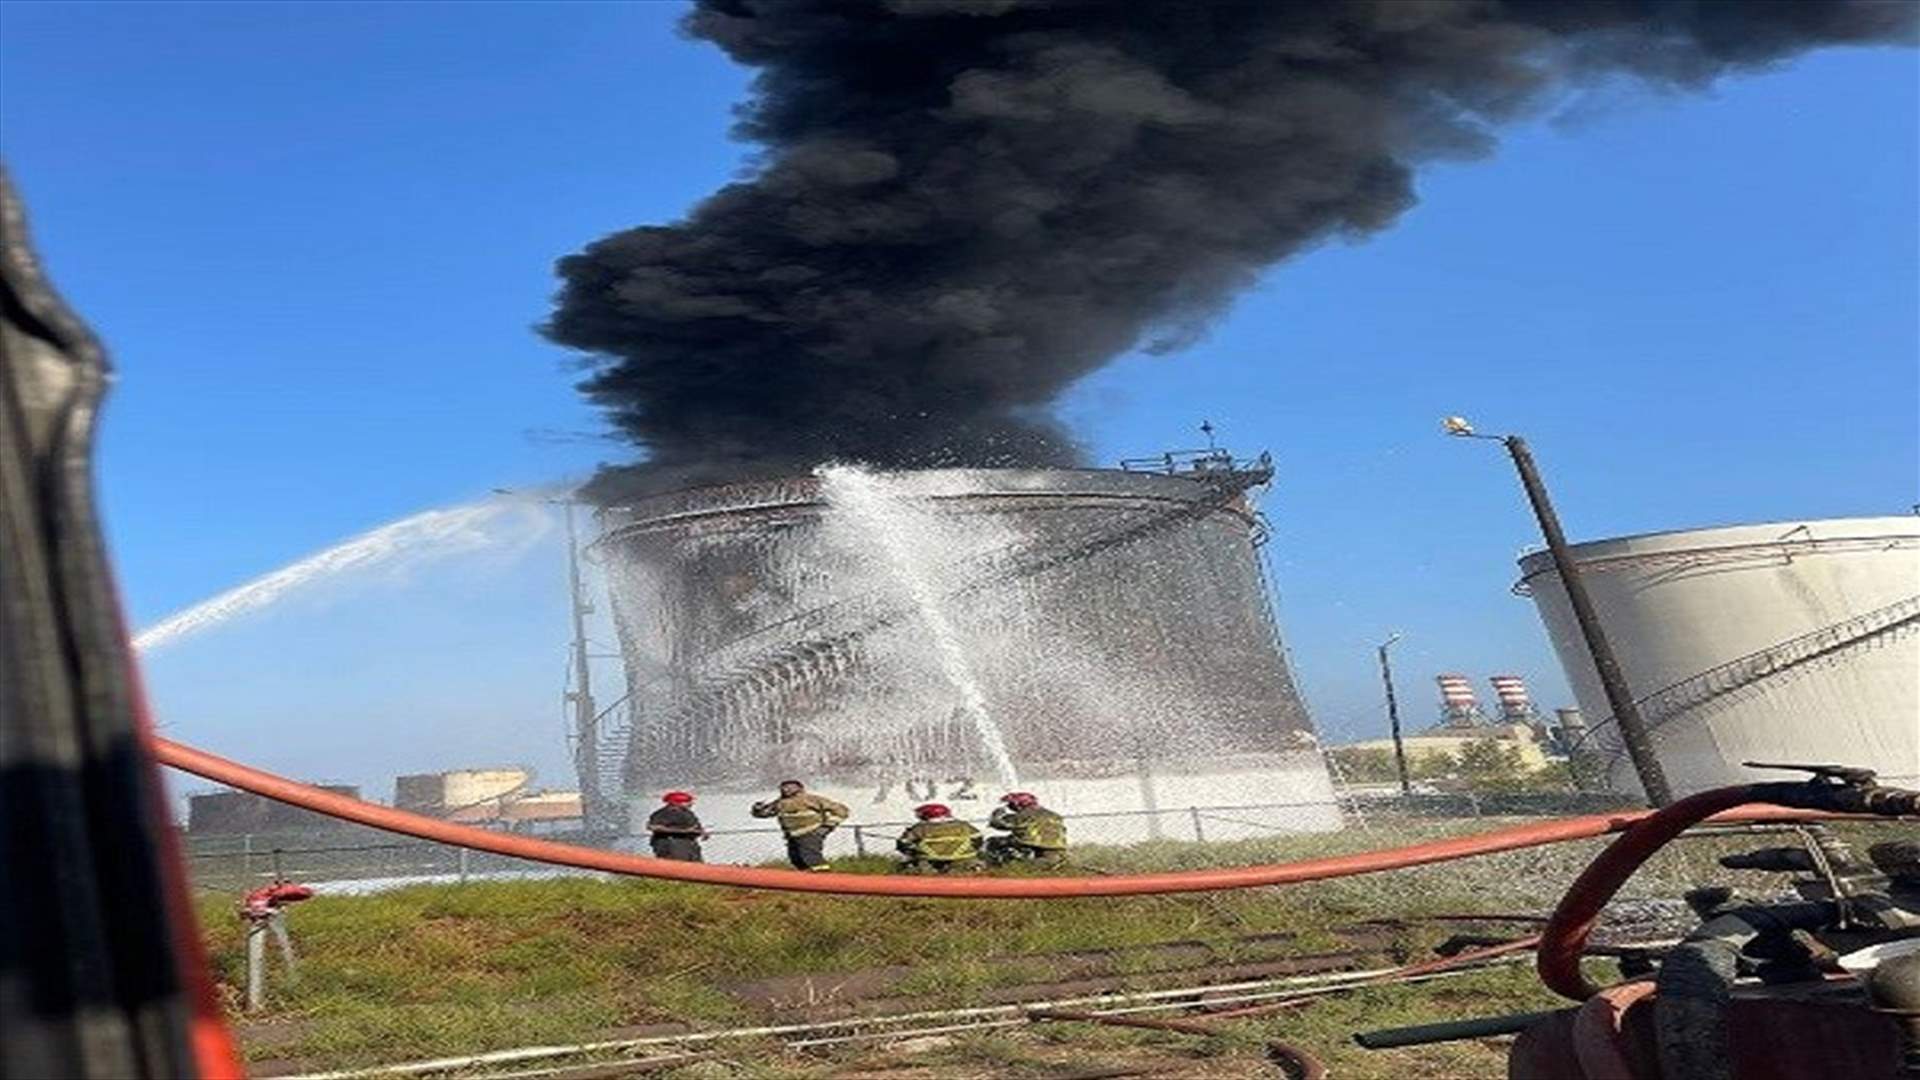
x=1626, y=713
x=1393, y=716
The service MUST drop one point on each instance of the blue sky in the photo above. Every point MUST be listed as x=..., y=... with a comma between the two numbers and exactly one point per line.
x=316, y=238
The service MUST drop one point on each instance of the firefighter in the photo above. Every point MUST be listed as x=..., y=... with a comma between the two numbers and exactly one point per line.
x=1033, y=831
x=806, y=819
x=939, y=841
x=675, y=829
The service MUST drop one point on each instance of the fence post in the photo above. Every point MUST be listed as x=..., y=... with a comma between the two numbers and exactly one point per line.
x=463, y=865
x=859, y=842
x=1199, y=834
x=1473, y=802
x=276, y=864
x=246, y=857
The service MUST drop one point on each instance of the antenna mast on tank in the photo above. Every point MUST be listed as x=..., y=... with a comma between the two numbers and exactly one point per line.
x=586, y=735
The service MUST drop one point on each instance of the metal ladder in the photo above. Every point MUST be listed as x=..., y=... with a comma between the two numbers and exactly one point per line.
x=1677, y=699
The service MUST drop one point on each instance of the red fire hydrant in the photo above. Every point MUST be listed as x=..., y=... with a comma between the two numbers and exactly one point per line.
x=264, y=910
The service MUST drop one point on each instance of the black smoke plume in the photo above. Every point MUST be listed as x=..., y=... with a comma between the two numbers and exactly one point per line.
x=963, y=206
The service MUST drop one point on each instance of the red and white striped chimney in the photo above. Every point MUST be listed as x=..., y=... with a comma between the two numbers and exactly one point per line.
x=1458, y=707
x=1515, y=706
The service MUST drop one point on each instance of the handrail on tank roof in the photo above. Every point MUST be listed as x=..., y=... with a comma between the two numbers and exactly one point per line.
x=1799, y=538
x=1701, y=556
x=1210, y=460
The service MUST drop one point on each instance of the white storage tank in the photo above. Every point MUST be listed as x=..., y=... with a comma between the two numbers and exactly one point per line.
x=1792, y=641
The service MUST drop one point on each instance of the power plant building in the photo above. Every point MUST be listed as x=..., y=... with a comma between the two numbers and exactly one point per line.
x=500, y=796
x=1100, y=637
x=237, y=813
x=1783, y=642
x=443, y=793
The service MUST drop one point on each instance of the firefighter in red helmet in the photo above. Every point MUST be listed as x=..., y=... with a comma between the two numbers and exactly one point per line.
x=939, y=841
x=1033, y=831
x=674, y=830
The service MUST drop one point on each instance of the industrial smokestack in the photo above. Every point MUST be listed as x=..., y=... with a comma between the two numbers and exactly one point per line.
x=963, y=206
x=1516, y=707
x=1458, y=706
x=1569, y=728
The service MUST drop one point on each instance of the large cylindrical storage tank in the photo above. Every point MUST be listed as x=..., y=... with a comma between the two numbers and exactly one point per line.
x=1791, y=641
x=1099, y=637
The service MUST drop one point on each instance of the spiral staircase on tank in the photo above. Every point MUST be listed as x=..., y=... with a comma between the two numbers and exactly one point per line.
x=1595, y=755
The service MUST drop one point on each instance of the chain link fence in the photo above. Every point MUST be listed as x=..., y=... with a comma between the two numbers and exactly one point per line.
x=358, y=861
x=352, y=859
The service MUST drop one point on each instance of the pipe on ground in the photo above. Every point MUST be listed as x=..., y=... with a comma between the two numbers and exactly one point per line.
x=1297, y=1063
x=1478, y=1027
x=1408, y=973
x=1149, y=1023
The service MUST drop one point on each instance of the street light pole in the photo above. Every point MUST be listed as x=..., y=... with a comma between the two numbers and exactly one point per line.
x=1393, y=717
x=1626, y=713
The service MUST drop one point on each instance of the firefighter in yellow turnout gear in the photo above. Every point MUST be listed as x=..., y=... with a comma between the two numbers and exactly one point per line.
x=939, y=842
x=805, y=819
x=1033, y=831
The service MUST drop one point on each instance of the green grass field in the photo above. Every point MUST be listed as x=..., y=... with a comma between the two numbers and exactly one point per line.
x=451, y=969
x=437, y=970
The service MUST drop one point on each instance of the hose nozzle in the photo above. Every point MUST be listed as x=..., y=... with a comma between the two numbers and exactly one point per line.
x=1845, y=789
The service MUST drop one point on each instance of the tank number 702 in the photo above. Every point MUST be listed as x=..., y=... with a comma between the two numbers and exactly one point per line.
x=926, y=789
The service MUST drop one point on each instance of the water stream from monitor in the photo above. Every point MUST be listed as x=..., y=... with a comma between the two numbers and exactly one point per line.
x=426, y=536
x=888, y=519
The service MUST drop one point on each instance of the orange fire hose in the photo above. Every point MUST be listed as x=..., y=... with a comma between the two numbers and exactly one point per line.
x=1565, y=936
x=246, y=778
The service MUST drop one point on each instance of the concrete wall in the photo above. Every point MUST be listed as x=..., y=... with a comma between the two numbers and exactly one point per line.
x=423, y=793
x=1532, y=755
x=466, y=787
